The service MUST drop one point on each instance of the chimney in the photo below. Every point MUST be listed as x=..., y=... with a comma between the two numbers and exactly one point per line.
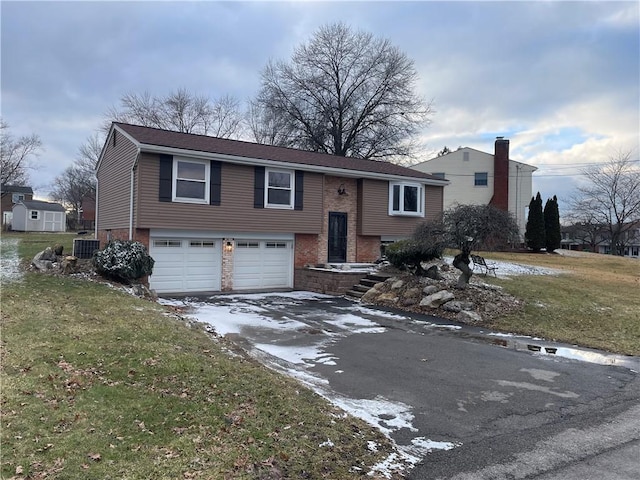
x=500, y=197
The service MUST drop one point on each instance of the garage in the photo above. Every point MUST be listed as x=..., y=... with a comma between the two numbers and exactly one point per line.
x=185, y=265
x=262, y=264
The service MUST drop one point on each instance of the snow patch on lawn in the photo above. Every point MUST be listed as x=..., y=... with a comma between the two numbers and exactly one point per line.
x=9, y=260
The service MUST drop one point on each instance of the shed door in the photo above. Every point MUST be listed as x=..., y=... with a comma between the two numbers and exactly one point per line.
x=52, y=221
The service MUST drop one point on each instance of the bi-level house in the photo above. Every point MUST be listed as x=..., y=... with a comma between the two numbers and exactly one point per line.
x=228, y=215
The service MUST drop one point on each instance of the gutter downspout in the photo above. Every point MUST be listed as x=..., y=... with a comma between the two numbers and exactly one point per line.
x=133, y=168
x=95, y=220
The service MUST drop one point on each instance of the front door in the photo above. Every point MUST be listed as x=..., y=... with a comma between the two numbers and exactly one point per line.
x=337, y=252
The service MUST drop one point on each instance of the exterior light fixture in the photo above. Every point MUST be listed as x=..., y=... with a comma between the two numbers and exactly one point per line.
x=228, y=246
x=342, y=190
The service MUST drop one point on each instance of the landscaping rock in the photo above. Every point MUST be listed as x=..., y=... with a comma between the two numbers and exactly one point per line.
x=429, y=289
x=397, y=285
x=432, y=272
x=469, y=317
x=437, y=299
x=456, y=306
x=389, y=297
x=414, y=292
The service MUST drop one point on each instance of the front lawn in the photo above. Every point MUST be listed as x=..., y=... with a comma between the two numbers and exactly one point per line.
x=596, y=303
x=98, y=384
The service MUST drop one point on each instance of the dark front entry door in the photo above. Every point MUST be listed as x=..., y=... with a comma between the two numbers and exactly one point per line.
x=337, y=237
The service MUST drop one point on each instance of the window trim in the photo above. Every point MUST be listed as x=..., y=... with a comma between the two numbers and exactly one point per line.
x=31, y=217
x=475, y=179
x=175, y=179
x=401, y=211
x=291, y=189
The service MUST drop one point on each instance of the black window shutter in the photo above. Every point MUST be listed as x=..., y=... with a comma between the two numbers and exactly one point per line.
x=258, y=188
x=166, y=180
x=215, y=183
x=298, y=200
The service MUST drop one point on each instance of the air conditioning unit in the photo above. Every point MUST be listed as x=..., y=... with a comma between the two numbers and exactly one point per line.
x=85, y=248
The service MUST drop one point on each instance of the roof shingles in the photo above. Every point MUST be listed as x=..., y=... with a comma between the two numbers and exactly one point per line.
x=238, y=148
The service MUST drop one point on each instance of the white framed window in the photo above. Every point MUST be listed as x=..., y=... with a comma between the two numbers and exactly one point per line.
x=191, y=180
x=275, y=245
x=17, y=197
x=406, y=199
x=247, y=244
x=279, y=188
x=34, y=214
x=167, y=243
x=202, y=243
x=480, y=179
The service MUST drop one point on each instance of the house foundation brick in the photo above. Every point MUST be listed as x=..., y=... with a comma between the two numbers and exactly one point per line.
x=367, y=249
x=139, y=235
x=306, y=250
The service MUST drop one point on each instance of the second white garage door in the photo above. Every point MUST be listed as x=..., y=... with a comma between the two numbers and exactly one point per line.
x=185, y=265
x=260, y=264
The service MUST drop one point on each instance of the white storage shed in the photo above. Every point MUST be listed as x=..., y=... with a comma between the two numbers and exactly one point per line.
x=38, y=216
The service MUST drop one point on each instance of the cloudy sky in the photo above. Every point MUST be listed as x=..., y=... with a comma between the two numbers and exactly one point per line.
x=559, y=79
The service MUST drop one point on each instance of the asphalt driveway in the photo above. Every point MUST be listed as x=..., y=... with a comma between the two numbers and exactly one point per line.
x=459, y=402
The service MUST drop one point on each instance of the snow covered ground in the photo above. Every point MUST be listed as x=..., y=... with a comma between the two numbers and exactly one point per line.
x=9, y=260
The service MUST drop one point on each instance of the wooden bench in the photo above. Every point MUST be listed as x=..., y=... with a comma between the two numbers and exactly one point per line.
x=484, y=266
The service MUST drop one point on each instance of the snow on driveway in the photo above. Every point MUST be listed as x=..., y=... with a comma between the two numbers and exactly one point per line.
x=291, y=332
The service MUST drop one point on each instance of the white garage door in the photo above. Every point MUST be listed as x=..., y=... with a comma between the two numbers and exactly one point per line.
x=259, y=264
x=185, y=265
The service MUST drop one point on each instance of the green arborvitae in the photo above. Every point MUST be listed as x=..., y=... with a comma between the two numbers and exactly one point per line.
x=534, y=234
x=552, y=233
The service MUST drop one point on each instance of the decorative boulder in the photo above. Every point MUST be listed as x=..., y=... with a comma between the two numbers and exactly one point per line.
x=437, y=299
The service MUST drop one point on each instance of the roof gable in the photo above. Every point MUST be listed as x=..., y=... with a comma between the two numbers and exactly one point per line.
x=40, y=205
x=147, y=136
x=16, y=189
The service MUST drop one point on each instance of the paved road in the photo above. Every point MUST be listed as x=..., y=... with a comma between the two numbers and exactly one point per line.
x=462, y=403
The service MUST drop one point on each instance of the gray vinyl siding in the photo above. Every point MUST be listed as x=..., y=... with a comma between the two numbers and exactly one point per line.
x=235, y=212
x=373, y=210
x=114, y=184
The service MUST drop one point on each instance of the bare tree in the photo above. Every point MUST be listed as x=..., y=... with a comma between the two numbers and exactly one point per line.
x=89, y=152
x=610, y=200
x=180, y=111
x=266, y=127
x=480, y=227
x=78, y=182
x=16, y=155
x=344, y=93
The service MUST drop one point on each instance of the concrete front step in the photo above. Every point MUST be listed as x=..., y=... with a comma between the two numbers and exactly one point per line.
x=354, y=293
x=366, y=284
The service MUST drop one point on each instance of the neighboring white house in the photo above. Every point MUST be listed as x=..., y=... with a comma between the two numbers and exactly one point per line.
x=479, y=178
x=38, y=216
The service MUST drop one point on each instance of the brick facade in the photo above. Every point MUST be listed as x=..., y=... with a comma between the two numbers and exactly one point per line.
x=305, y=250
x=227, y=265
x=367, y=249
x=139, y=235
x=335, y=202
